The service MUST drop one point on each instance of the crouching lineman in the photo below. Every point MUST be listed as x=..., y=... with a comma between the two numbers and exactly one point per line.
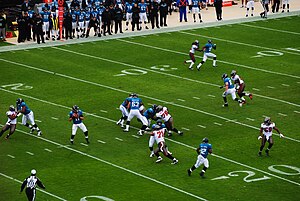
x=135, y=105
x=158, y=132
x=124, y=110
x=266, y=130
x=11, y=122
x=77, y=117
x=163, y=113
x=203, y=150
x=150, y=114
x=22, y=108
x=229, y=89
x=240, y=86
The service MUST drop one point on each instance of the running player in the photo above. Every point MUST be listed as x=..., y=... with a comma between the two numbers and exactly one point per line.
x=195, y=47
x=229, y=89
x=207, y=53
x=11, y=122
x=240, y=86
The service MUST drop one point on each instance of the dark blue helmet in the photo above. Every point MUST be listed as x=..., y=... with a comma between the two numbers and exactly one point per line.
x=205, y=140
x=224, y=76
x=75, y=108
x=19, y=101
x=209, y=41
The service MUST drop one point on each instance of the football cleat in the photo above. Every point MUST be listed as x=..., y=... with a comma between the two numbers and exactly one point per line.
x=259, y=153
x=152, y=155
x=189, y=172
x=225, y=105
x=72, y=142
x=267, y=152
x=140, y=132
x=39, y=133
x=125, y=130
x=202, y=174
x=159, y=159
x=250, y=96
x=180, y=133
x=32, y=130
x=175, y=161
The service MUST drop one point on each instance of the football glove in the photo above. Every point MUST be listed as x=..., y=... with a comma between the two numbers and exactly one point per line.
x=281, y=135
x=259, y=137
x=221, y=87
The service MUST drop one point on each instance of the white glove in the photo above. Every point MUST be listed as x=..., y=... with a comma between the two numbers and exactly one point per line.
x=259, y=137
x=281, y=135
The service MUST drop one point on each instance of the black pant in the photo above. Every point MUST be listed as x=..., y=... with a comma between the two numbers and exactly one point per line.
x=154, y=20
x=40, y=36
x=30, y=193
x=68, y=32
x=163, y=19
x=118, y=23
x=275, y=6
x=218, y=12
x=106, y=25
x=135, y=22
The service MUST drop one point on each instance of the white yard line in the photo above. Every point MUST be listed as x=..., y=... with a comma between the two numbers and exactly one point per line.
x=239, y=43
x=141, y=95
x=20, y=182
x=270, y=29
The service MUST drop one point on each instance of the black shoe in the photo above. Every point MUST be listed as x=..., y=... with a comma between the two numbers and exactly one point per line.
x=267, y=152
x=180, y=133
x=259, y=153
x=189, y=172
x=72, y=142
x=202, y=174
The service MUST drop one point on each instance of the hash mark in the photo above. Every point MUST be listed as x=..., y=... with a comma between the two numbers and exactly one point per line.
x=120, y=75
x=196, y=98
x=250, y=119
x=211, y=95
x=270, y=87
x=181, y=100
x=119, y=139
x=101, y=141
x=10, y=156
x=281, y=114
x=104, y=111
x=29, y=153
x=48, y=150
x=201, y=126
x=255, y=89
x=38, y=120
x=183, y=128
x=285, y=85
x=216, y=123
x=54, y=118
x=135, y=136
x=84, y=144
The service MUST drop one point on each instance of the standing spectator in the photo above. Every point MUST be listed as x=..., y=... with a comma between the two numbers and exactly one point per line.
x=2, y=26
x=275, y=7
x=128, y=9
x=77, y=117
x=163, y=12
x=170, y=6
x=265, y=4
x=38, y=28
x=286, y=4
x=135, y=17
x=94, y=23
x=22, y=29
x=118, y=18
x=68, y=25
x=218, y=6
x=112, y=16
x=25, y=5
x=27, y=26
x=11, y=122
x=154, y=7
x=106, y=19
x=30, y=183
x=203, y=150
x=243, y=3
x=182, y=4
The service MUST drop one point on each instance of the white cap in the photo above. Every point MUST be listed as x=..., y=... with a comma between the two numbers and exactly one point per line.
x=33, y=172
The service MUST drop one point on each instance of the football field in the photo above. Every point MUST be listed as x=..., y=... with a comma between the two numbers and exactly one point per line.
x=97, y=76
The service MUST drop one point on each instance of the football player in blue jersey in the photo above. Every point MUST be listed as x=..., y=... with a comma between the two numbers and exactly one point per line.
x=196, y=9
x=203, y=150
x=207, y=53
x=22, y=108
x=143, y=13
x=135, y=105
x=150, y=114
x=158, y=134
x=229, y=89
x=76, y=116
x=128, y=9
x=81, y=21
x=45, y=16
x=124, y=110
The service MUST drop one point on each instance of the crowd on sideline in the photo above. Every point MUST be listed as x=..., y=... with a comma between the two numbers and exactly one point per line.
x=106, y=17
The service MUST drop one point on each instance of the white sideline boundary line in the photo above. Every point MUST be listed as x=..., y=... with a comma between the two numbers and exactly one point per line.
x=111, y=164
x=96, y=116
x=127, y=92
x=16, y=180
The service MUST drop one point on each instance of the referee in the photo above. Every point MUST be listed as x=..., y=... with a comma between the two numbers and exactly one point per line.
x=30, y=183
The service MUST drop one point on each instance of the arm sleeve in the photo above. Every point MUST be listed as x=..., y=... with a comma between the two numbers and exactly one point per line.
x=40, y=184
x=23, y=185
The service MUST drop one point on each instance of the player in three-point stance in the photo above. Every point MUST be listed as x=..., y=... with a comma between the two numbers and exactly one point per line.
x=240, y=86
x=266, y=130
x=229, y=89
x=30, y=184
x=195, y=47
x=77, y=117
x=207, y=53
x=158, y=133
x=203, y=150
x=22, y=108
x=11, y=122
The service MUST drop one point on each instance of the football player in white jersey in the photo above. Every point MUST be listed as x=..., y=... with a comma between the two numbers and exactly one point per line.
x=195, y=47
x=240, y=86
x=163, y=113
x=286, y=4
x=11, y=122
x=158, y=133
x=250, y=4
x=266, y=130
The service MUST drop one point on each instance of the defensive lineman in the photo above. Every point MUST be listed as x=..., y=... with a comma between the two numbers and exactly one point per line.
x=30, y=183
x=11, y=122
x=22, y=108
x=266, y=130
x=207, y=53
x=76, y=116
x=203, y=150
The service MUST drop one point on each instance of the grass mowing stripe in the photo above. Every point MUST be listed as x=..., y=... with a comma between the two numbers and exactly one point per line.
x=55, y=196
x=270, y=29
x=239, y=43
x=174, y=141
x=141, y=95
x=111, y=164
x=225, y=62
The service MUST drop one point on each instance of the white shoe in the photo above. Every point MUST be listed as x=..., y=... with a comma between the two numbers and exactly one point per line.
x=148, y=129
x=152, y=155
x=169, y=152
x=32, y=130
x=39, y=133
x=140, y=132
x=125, y=130
x=175, y=161
x=159, y=159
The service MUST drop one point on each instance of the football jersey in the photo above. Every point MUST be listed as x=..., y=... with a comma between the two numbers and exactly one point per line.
x=77, y=120
x=149, y=113
x=143, y=7
x=159, y=134
x=267, y=129
x=87, y=15
x=30, y=14
x=204, y=147
x=195, y=3
x=128, y=7
x=164, y=114
x=125, y=102
x=229, y=82
x=45, y=16
x=236, y=79
x=74, y=16
x=27, y=109
x=95, y=13
x=208, y=47
x=135, y=103
x=193, y=48
x=81, y=17
x=101, y=10
x=9, y=120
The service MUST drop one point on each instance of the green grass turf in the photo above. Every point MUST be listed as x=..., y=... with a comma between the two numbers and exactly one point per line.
x=122, y=170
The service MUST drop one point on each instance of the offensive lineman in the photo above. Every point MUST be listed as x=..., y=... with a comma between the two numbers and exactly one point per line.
x=76, y=116
x=30, y=183
x=265, y=134
x=203, y=150
x=11, y=122
x=124, y=111
x=195, y=47
x=207, y=53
